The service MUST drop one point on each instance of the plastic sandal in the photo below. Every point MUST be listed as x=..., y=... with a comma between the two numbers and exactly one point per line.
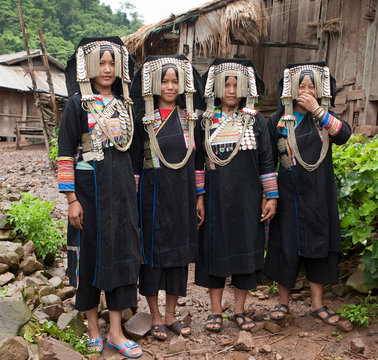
x=212, y=320
x=161, y=328
x=125, y=348
x=279, y=308
x=244, y=322
x=326, y=319
x=96, y=342
x=177, y=326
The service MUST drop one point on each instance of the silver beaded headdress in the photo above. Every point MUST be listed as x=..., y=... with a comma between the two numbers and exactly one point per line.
x=322, y=84
x=246, y=85
x=291, y=85
x=151, y=84
x=87, y=68
x=215, y=88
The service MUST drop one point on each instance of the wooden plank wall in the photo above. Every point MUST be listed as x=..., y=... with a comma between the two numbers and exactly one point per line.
x=351, y=54
x=15, y=106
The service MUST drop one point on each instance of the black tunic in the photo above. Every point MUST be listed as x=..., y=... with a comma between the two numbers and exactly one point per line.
x=106, y=252
x=167, y=198
x=232, y=237
x=307, y=222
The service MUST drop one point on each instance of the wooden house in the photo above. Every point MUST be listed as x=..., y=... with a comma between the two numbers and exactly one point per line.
x=16, y=98
x=273, y=33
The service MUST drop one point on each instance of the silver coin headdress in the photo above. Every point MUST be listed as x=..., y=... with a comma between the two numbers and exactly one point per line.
x=291, y=86
x=246, y=86
x=88, y=67
x=151, y=84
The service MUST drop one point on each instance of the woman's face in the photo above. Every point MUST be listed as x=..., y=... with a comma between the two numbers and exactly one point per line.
x=169, y=87
x=307, y=87
x=230, y=92
x=103, y=83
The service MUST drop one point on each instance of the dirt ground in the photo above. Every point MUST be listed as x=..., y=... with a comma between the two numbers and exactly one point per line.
x=301, y=336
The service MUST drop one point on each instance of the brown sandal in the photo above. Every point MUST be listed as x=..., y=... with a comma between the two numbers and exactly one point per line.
x=161, y=328
x=212, y=319
x=177, y=326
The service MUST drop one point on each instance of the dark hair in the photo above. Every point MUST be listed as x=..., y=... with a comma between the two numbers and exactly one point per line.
x=106, y=47
x=305, y=73
x=180, y=100
x=218, y=101
x=165, y=68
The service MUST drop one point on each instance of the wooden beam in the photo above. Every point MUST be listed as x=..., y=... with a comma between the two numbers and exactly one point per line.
x=49, y=80
x=289, y=44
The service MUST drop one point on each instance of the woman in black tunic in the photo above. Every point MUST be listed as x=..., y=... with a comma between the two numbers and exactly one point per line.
x=168, y=195
x=306, y=227
x=239, y=172
x=95, y=172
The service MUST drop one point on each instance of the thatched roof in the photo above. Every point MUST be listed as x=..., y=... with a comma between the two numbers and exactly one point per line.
x=217, y=25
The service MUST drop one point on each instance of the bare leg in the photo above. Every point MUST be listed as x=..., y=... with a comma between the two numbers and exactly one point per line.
x=93, y=328
x=216, y=306
x=283, y=295
x=155, y=313
x=170, y=308
x=317, y=301
x=115, y=335
x=240, y=296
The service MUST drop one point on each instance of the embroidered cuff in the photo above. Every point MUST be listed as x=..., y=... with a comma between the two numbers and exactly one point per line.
x=200, y=181
x=137, y=177
x=66, y=174
x=269, y=183
x=331, y=124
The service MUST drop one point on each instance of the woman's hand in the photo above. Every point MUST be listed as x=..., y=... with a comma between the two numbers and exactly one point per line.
x=268, y=209
x=307, y=101
x=76, y=214
x=200, y=210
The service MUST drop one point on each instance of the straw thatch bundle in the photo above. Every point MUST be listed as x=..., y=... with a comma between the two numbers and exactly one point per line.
x=217, y=25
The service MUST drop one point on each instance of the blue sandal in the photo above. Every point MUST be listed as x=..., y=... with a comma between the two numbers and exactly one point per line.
x=96, y=342
x=125, y=348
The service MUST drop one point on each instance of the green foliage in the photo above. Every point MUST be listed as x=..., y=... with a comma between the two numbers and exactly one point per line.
x=79, y=343
x=273, y=288
x=3, y=292
x=64, y=23
x=53, y=148
x=360, y=314
x=356, y=171
x=32, y=220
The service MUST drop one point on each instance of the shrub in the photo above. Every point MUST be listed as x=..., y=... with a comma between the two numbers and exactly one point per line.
x=31, y=220
x=356, y=171
x=361, y=314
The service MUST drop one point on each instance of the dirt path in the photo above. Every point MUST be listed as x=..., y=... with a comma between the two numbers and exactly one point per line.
x=301, y=336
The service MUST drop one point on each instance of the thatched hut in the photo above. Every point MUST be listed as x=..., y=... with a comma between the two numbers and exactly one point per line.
x=213, y=29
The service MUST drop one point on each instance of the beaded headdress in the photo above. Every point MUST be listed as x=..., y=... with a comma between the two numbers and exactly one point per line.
x=324, y=87
x=291, y=80
x=151, y=84
x=83, y=66
x=249, y=85
x=246, y=85
x=88, y=66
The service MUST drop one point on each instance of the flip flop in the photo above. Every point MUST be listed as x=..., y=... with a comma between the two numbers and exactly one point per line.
x=177, y=326
x=279, y=308
x=212, y=320
x=326, y=319
x=96, y=342
x=161, y=328
x=244, y=322
x=125, y=348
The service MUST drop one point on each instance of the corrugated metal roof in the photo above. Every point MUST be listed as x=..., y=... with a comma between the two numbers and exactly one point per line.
x=15, y=77
x=17, y=57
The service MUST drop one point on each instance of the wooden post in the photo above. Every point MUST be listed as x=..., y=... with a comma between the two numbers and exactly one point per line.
x=49, y=80
x=32, y=74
